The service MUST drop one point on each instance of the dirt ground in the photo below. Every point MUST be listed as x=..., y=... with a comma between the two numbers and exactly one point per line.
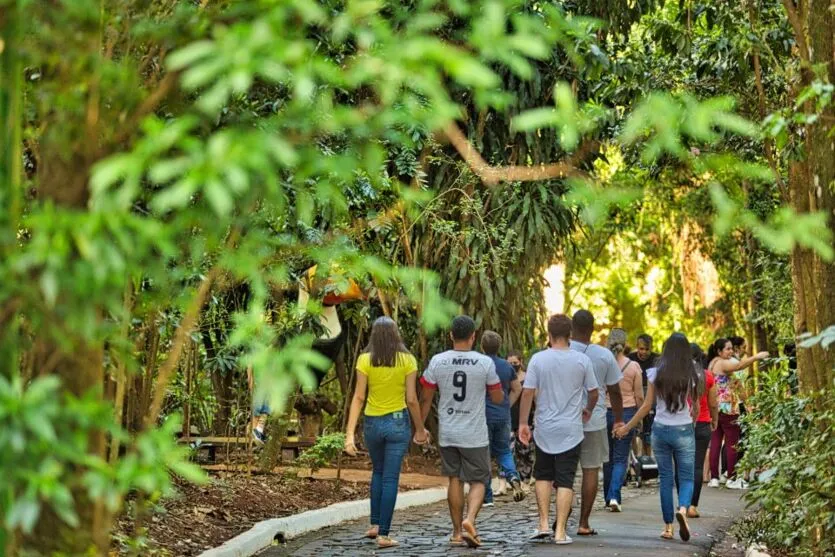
x=198, y=518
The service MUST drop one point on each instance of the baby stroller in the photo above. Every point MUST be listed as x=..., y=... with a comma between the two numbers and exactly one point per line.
x=642, y=468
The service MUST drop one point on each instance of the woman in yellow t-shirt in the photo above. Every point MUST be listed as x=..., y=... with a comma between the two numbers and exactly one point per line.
x=387, y=373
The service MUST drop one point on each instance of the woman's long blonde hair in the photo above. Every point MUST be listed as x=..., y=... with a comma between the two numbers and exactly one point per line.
x=617, y=341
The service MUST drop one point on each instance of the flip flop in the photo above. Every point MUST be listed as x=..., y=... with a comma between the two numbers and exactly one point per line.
x=666, y=535
x=539, y=535
x=456, y=542
x=683, y=528
x=591, y=532
x=473, y=542
x=566, y=541
x=470, y=536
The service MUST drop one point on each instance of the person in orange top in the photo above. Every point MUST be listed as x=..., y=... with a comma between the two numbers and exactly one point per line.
x=632, y=391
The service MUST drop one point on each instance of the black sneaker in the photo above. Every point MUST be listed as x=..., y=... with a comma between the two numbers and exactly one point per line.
x=518, y=492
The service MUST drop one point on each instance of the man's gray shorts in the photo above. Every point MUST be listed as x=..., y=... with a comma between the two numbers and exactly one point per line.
x=471, y=465
x=594, y=451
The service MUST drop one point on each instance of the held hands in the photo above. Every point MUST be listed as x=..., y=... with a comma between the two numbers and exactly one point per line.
x=525, y=434
x=620, y=430
x=421, y=437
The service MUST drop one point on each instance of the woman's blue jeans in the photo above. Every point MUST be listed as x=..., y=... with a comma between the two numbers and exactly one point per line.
x=674, y=445
x=387, y=438
x=614, y=471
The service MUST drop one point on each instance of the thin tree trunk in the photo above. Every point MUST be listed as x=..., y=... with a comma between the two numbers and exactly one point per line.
x=121, y=370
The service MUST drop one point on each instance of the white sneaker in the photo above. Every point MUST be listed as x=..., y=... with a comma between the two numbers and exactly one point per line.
x=737, y=484
x=723, y=479
x=713, y=483
x=614, y=506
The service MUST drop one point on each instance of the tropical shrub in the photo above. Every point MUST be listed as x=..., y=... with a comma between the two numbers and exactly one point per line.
x=790, y=446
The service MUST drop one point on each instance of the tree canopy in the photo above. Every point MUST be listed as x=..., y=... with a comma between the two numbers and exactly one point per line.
x=171, y=169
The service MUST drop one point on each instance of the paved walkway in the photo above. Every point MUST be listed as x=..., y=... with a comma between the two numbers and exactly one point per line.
x=504, y=529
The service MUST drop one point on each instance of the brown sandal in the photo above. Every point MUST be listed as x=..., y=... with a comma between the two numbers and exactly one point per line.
x=469, y=535
x=683, y=527
x=372, y=532
x=667, y=534
x=384, y=542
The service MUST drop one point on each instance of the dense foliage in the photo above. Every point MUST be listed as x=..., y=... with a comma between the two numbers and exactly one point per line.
x=789, y=446
x=171, y=169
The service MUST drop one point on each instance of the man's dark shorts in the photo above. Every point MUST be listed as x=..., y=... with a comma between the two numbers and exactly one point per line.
x=471, y=465
x=560, y=469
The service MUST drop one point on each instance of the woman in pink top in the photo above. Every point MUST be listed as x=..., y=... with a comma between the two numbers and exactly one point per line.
x=632, y=391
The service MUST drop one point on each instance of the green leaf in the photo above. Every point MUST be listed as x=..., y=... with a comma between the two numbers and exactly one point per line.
x=189, y=54
x=23, y=514
x=535, y=119
x=469, y=71
x=219, y=198
x=176, y=196
x=49, y=287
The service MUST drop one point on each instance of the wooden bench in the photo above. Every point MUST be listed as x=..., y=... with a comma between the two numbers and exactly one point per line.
x=290, y=446
x=210, y=443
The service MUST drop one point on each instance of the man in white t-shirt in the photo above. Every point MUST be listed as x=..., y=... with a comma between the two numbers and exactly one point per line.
x=595, y=449
x=562, y=380
x=462, y=377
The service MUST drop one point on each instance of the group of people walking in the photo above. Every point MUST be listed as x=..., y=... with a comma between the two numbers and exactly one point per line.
x=577, y=403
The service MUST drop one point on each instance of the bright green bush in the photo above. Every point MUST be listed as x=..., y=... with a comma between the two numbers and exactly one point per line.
x=323, y=452
x=790, y=442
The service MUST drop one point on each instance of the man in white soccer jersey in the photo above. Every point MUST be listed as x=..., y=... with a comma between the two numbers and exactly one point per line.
x=462, y=376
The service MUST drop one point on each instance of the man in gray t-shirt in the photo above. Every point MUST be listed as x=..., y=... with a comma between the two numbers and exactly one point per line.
x=566, y=392
x=462, y=377
x=595, y=448
x=561, y=378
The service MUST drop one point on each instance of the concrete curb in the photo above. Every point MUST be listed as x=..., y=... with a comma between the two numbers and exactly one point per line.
x=264, y=533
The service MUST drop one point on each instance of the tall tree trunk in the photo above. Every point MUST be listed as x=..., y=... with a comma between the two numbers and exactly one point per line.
x=63, y=180
x=811, y=189
x=11, y=158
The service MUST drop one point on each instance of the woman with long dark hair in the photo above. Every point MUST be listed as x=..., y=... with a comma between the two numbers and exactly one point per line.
x=729, y=392
x=671, y=385
x=387, y=373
